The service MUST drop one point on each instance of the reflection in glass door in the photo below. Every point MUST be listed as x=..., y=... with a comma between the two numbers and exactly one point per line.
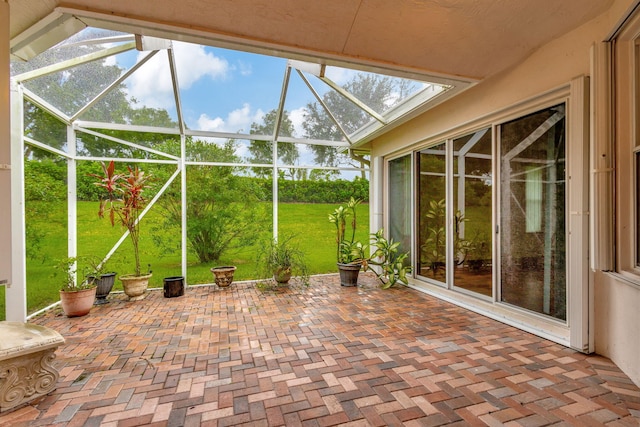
x=532, y=212
x=432, y=230
x=472, y=239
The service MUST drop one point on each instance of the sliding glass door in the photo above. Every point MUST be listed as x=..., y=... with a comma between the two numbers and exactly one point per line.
x=532, y=212
x=432, y=224
x=400, y=198
x=472, y=189
x=455, y=215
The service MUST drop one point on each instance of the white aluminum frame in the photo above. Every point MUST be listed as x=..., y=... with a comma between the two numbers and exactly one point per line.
x=16, y=295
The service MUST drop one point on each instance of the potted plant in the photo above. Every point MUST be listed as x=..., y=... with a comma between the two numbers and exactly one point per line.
x=103, y=280
x=281, y=259
x=123, y=203
x=391, y=265
x=434, y=249
x=223, y=275
x=479, y=253
x=76, y=299
x=350, y=253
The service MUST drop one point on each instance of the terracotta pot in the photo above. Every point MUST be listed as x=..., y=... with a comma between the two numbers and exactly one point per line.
x=282, y=275
x=223, y=275
x=349, y=274
x=135, y=286
x=77, y=303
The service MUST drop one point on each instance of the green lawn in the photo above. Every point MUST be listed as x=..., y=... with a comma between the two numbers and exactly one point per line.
x=309, y=222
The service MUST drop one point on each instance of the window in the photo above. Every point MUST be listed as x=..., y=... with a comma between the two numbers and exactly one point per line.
x=626, y=76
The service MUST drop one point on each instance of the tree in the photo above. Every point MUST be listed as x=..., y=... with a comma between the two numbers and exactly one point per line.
x=91, y=145
x=262, y=151
x=72, y=89
x=224, y=210
x=377, y=92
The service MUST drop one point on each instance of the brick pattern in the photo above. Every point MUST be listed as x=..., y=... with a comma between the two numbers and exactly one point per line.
x=319, y=356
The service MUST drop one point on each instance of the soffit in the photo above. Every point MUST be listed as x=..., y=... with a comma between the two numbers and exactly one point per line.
x=455, y=38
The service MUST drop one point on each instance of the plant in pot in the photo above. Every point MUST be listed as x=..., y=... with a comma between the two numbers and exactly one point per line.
x=434, y=249
x=76, y=299
x=104, y=280
x=479, y=253
x=123, y=203
x=281, y=259
x=350, y=253
x=391, y=265
x=223, y=275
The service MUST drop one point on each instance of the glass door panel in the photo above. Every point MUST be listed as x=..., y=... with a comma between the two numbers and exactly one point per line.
x=532, y=212
x=400, y=196
x=472, y=185
x=432, y=235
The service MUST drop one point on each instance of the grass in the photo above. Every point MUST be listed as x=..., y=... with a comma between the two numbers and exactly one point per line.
x=308, y=222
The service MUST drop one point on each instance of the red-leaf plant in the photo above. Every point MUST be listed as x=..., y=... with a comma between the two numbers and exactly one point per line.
x=124, y=201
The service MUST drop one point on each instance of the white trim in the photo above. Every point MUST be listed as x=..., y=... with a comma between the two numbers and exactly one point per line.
x=579, y=280
x=601, y=160
x=376, y=198
x=16, y=294
x=527, y=321
x=72, y=198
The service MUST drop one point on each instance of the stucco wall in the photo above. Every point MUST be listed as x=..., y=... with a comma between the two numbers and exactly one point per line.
x=617, y=304
x=617, y=312
x=552, y=66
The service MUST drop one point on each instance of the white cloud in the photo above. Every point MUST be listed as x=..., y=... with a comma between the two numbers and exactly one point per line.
x=246, y=69
x=340, y=75
x=110, y=61
x=242, y=149
x=151, y=85
x=206, y=123
x=194, y=63
x=239, y=120
x=297, y=117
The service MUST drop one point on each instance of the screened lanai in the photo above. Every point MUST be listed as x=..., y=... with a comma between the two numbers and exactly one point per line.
x=236, y=142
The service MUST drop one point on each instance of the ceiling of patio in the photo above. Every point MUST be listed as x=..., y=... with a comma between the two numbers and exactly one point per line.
x=457, y=39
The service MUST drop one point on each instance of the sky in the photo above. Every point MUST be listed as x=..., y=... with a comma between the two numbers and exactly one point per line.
x=222, y=90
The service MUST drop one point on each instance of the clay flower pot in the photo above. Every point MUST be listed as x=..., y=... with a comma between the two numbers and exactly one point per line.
x=223, y=275
x=77, y=303
x=135, y=286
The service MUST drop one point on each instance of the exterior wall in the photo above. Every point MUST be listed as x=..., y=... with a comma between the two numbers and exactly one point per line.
x=617, y=312
x=617, y=304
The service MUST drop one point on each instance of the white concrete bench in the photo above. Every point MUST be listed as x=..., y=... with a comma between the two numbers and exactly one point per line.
x=26, y=371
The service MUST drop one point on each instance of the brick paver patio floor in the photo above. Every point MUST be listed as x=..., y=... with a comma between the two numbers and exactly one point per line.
x=317, y=356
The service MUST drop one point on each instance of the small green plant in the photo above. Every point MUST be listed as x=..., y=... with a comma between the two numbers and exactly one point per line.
x=434, y=249
x=349, y=250
x=391, y=264
x=95, y=267
x=65, y=273
x=282, y=259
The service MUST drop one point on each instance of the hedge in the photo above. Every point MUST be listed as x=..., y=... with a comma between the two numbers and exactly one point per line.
x=45, y=180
